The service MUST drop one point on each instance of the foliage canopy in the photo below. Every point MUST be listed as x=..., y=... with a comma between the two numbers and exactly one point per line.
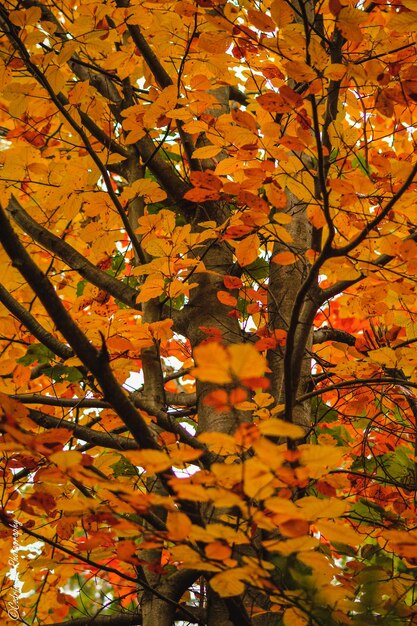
x=208, y=312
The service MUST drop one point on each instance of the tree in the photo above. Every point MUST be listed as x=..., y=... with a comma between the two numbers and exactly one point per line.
x=207, y=312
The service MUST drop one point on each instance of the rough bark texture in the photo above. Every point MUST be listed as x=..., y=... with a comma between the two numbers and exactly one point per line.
x=284, y=284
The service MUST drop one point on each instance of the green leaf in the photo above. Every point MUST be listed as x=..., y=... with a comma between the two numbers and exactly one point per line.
x=60, y=373
x=360, y=163
x=37, y=352
x=259, y=269
x=80, y=288
x=124, y=467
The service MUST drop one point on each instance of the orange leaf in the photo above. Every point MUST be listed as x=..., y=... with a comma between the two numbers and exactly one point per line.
x=284, y=258
x=247, y=250
x=232, y=282
x=178, y=526
x=212, y=361
x=294, y=527
x=274, y=103
x=218, y=551
x=253, y=201
x=261, y=21
x=348, y=23
x=201, y=195
x=206, y=180
x=226, y=298
x=276, y=196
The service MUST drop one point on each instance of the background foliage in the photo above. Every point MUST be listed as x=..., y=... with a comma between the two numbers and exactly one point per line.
x=208, y=312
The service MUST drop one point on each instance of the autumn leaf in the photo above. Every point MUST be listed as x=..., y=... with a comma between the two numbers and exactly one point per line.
x=227, y=584
x=220, y=364
x=279, y=428
x=284, y=258
x=178, y=526
x=247, y=250
x=207, y=222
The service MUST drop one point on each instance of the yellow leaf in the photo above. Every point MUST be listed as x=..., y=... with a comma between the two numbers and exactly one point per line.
x=181, y=453
x=190, y=559
x=276, y=196
x=178, y=526
x=212, y=362
x=384, y=356
x=286, y=509
x=274, y=102
x=149, y=189
x=322, y=568
x=76, y=505
x=66, y=52
x=319, y=56
x=151, y=460
x=404, y=22
x=335, y=71
x=23, y=17
x=194, y=493
x=314, y=508
x=247, y=250
x=5, y=74
x=339, y=533
x=294, y=617
x=206, y=152
x=261, y=21
x=298, y=70
x=348, y=23
x=153, y=287
x=220, y=443
x=228, y=583
x=245, y=361
x=56, y=78
x=161, y=331
x=281, y=13
x=219, y=364
x=12, y=409
x=66, y=458
x=263, y=399
x=291, y=546
x=258, y=479
x=318, y=458
x=276, y=427
x=403, y=542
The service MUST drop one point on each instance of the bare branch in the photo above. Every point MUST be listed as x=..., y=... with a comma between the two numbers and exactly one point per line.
x=333, y=334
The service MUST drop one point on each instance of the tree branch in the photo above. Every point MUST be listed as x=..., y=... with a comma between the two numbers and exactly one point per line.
x=163, y=419
x=132, y=620
x=355, y=383
x=94, y=437
x=29, y=322
x=89, y=355
x=72, y=257
x=112, y=570
x=103, y=620
x=333, y=334
x=59, y=101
